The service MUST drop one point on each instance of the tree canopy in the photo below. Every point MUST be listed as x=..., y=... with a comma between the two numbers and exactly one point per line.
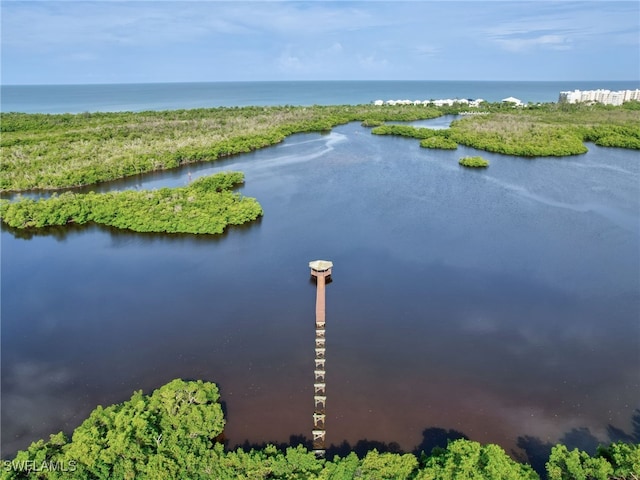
x=206, y=206
x=175, y=433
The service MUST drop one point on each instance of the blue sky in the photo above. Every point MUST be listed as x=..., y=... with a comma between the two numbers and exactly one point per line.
x=68, y=42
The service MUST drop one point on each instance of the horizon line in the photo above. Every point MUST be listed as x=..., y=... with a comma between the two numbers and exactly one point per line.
x=2, y=85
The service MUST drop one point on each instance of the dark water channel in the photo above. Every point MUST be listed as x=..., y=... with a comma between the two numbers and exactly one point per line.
x=502, y=304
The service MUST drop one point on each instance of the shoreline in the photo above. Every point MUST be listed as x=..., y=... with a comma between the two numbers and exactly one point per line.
x=86, y=149
x=121, y=97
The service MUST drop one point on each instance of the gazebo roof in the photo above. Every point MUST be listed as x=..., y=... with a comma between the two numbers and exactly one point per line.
x=320, y=265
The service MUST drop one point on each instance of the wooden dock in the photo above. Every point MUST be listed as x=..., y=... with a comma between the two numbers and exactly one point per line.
x=320, y=269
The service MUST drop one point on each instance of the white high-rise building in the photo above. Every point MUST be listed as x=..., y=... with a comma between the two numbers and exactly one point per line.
x=606, y=97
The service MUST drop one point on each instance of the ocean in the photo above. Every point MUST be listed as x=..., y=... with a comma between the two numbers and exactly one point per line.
x=175, y=96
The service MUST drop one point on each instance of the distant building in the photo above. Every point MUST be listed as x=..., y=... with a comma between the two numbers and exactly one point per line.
x=437, y=103
x=514, y=100
x=606, y=97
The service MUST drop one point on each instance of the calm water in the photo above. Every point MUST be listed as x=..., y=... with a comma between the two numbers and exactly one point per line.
x=502, y=304
x=159, y=96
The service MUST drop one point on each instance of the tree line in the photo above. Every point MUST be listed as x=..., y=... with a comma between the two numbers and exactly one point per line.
x=176, y=432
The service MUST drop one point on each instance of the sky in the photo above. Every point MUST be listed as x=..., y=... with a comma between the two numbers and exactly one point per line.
x=79, y=42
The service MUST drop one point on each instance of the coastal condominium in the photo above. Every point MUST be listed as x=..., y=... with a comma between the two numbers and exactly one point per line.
x=600, y=96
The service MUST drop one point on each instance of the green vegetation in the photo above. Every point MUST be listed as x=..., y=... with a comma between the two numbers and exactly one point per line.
x=430, y=138
x=176, y=432
x=406, y=131
x=472, y=461
x=473, y=162
x=367, y=122
x=57, y=151
x=440, y=142
x=537, y=130
x=206, y=206
x=168, y=434
x=618, y=461
x=517, y=134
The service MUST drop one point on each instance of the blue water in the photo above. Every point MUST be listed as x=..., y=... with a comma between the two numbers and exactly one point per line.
x=502, y=304
x=172, y=96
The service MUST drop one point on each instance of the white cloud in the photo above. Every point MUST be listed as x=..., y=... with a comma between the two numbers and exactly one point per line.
x=565, y=26
x=552, y=42
x=312, y=38
x=33, y=24
x=289, y=62
x=37, y=25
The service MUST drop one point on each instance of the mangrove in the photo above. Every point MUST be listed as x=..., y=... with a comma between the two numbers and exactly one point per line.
x=176, y=432
x=42, y=151
x=474, y=162
x=206, y=206
x=539, y=131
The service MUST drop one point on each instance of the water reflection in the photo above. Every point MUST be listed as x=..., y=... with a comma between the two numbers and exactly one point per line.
x=500, y=305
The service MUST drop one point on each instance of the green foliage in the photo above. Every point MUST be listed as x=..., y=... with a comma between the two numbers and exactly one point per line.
x=631, y=105
x=170, y=431
x=56, y=151
x=467, y=460
x=537, y=130
x=173, y=434
x=168, y=434
x=368, y=122
x=617, y=461
x=429, y=138
x=614, y=136
x=441, y=142
x=293, y=464
x=346, y=468
x=473, y=162
x=405, y=131
x=623, y=457
x=390, y=466
x=41, y=460
x=512, y=134
x=206, y=206
x=576, y=465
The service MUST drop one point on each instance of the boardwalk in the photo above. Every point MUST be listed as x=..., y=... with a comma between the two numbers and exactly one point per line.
x=320, y=269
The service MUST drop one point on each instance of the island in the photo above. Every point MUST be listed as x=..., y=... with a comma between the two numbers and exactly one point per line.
x=473, y=162
x=53, y=152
